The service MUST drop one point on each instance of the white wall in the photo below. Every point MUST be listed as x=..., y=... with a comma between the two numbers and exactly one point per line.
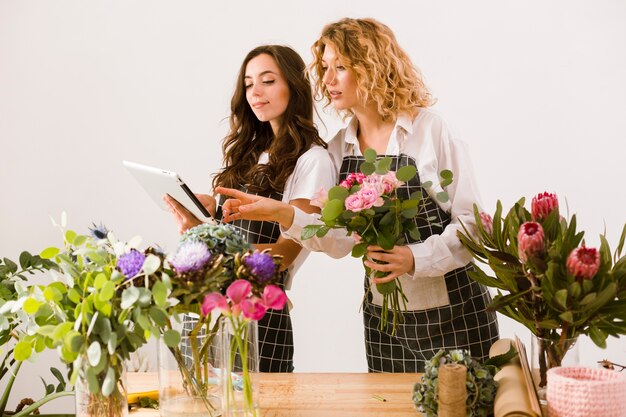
x=536, y=88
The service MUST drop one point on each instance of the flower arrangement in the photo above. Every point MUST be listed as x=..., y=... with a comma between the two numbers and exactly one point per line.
x=105, y=300
x=481, y=387
x=367, y=205
x=547, y=278
x=243, y=304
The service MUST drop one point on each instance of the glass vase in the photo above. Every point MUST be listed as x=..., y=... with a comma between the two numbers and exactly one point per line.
x=89, y=399
x=189, y=374
x=241, y=365
x=546, y=354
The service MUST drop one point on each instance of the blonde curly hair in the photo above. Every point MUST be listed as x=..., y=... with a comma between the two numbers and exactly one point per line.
x=384, y=72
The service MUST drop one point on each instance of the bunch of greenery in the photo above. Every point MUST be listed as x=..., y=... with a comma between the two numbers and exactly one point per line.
x=370, y=206
x=105, y=300
x=13, y=275
x=481, y=387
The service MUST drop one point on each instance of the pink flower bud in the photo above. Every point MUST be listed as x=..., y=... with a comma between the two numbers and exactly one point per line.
x=543, y=204
x=583, y=262
x=530, y=240
x=487, y=222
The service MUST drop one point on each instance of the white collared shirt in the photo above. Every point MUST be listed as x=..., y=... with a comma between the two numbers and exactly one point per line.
x=429, y=140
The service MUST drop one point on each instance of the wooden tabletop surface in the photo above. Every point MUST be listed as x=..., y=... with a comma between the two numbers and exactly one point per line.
x=317, y=395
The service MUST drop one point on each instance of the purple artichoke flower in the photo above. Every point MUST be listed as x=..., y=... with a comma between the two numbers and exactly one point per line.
x=191, y=256
x=261, y=265
x=130, y=263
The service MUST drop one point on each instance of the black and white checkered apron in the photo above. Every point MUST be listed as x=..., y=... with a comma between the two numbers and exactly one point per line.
x=275, y=331
x=463, y=324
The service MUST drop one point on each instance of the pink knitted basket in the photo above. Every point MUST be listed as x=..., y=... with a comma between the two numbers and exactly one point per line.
x=582, y=392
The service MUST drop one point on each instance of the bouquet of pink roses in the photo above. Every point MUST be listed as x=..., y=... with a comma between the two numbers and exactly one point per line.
x=367, y=205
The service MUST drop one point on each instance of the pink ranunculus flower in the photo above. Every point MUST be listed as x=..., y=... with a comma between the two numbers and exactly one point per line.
x=320, y=198
x=530, y=240
x=487, y=222
x=543, y=204
x=214, y=301
x=583, y=262
x=274, y=297
x=354, y=202
x=253, y=309
x=371, y=197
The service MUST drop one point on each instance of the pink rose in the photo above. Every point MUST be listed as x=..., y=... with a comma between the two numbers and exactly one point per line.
x=583, y=262
x=371, y=197
x=530, y=240
x=543, y=204
x=390, y=182
x=354, y=202
x=345, y=184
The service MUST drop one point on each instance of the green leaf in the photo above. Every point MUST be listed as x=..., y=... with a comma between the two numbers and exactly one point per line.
x=92, y=381
x=332, y=210
x=387, y=288
x=442, y=197
x=80, y=240
x=358, y=251
x=309, y=231
x=410, y=213
x=52, y=294
x=151, y=264
x=144, y=322
x=93, y=353
x=22, y=351
x=171, y=338
x=129, y=296
x=49, y=253
x=561, y=298
x=567, y=317
x=322, y=231
x=158, y=316
x=406, y=173
x=70, y=236
x=338, y=193
x=100, y=280
x=159, y=293
x=383, y=165
x=25, y=259
x=31, y=305
x=367, y=168
x=370, y=155
x=107, y=291
x=446, y=174
x=598, y=337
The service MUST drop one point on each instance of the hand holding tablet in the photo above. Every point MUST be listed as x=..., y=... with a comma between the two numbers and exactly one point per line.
x=159, y=182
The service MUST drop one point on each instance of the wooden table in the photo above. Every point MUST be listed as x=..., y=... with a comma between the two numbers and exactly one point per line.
x=318, y=395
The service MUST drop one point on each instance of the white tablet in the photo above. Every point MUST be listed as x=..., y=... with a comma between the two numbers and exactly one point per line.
x=158, y=182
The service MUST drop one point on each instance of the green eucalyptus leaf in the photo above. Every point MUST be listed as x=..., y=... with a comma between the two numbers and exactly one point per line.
x=446, y=174
x=359, y=250
x=151, y=264
x=406, y=173
x=309, y=231
x=94, y=353
x=442, y=197
x=31, y=306
x=92, y=381
x=171, y=338
x=367, y=168
x=332, y=210
x=107, y=291
x=370, y=155
x=22, y=350
x=338, y=193
x=100, y=280
x=49, y=253
x=129, y=297
x=159, y=293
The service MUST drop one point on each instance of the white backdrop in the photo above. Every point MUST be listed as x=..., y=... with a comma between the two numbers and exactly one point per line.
x=536, y=88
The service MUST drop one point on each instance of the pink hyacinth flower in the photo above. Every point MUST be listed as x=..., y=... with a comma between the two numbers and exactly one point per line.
x=274, y=297
x=253, y=309
x=487, y=222
x=583, y=262
x=530, y=240
x=320, y=198
x=543, y=204
x=214, y=301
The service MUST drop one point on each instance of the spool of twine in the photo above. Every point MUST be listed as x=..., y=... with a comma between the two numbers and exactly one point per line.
x=452, y=390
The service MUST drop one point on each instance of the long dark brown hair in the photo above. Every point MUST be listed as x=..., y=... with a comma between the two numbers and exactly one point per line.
x=249, y=137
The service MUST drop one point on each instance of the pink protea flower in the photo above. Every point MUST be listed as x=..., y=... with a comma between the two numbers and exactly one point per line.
x=583, y=262
x=487, y=222
x=530, y=240
x=543, y=204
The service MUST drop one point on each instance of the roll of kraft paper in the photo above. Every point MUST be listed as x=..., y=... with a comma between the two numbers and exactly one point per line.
x=512, y=397
x=452, y=390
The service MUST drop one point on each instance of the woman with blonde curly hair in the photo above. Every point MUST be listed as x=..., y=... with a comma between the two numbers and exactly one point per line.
x=361, y=70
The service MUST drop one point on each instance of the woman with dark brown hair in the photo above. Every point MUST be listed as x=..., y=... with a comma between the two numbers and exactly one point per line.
x=273, y=150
